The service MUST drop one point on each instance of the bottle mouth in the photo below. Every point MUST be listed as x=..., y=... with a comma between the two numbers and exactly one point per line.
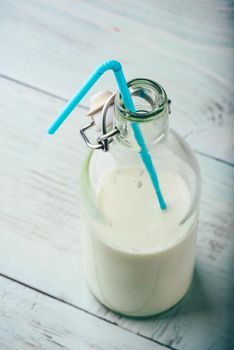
x=149, y=98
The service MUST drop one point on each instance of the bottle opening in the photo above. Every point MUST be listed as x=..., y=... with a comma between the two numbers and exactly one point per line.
x=149, y=98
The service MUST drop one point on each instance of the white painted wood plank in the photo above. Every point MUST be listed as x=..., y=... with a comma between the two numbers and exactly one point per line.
x=186, y=46
x=30, y=320
x=40, y=229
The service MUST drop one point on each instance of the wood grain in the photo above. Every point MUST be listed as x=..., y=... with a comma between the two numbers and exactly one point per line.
x=30, y=320
x=40, y=228
x=185, y=46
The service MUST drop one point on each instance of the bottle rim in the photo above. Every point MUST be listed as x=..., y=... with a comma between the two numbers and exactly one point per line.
x=143, y=116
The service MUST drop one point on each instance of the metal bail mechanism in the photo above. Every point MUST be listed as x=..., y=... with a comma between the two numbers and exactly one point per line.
x=106, y=137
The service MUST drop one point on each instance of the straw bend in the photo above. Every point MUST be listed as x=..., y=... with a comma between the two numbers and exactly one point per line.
x=107, y=65
x=113, y=65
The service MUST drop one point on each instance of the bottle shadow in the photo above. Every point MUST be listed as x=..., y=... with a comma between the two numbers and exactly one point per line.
x=196, y=300
x=202, y=309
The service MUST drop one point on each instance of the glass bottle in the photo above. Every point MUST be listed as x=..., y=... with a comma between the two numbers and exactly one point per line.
x=138, y=258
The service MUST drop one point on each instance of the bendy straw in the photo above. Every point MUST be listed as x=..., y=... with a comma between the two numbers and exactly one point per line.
x=116, y=67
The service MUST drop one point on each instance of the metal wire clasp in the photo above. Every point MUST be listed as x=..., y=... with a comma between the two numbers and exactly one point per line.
x=106, y=138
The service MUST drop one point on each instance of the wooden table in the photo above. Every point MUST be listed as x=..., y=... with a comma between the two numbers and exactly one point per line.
x=47, y=50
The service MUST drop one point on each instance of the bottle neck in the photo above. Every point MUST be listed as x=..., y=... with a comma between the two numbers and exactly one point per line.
x=152, y=110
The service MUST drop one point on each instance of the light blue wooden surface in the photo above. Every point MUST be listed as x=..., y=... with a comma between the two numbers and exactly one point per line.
x=185, y=46
x=47, y=50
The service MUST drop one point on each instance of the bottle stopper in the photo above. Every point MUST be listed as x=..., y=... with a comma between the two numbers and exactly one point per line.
x=96, y=103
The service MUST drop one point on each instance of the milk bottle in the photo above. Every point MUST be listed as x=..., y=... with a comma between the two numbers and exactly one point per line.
x=138, y=258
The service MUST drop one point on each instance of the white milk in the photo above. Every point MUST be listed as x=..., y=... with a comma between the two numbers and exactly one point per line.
x=141, y=262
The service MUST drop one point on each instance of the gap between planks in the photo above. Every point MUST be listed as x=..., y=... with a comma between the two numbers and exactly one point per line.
x=85, y=311
x=48, y=93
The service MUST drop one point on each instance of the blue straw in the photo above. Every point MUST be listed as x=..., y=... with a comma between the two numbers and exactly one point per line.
x=116, y=67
